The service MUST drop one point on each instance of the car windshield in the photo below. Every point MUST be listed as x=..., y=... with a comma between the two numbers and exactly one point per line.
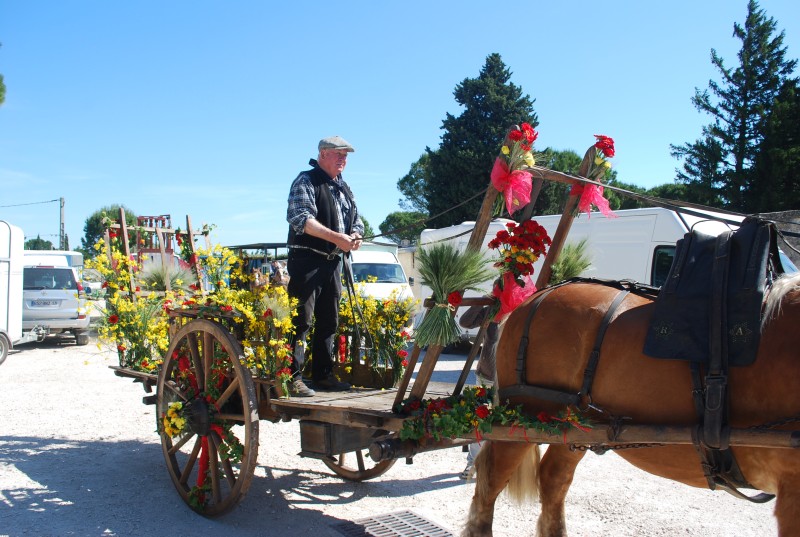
x=382, y=272
x=48, y=278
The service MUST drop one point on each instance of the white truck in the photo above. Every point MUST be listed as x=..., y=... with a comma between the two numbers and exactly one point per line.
x=12, y=243
x=639, y=244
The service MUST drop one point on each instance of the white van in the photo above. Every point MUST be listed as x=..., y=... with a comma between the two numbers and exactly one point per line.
x=639, y=244
x=387, y=271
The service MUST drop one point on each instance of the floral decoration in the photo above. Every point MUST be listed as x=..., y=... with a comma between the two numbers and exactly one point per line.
x=602, y=150
x=508, y=173
x=473, y=413
x=446, y=271
x=385, y=320
x=520, y=246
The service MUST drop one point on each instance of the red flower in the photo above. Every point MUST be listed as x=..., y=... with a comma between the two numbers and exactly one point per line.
x=605, y=144
x=226, y=308
x=137, y=289
x=515, y=135
x=543, y=416
x=402, y=353
x=194, y=287
x=121, y=348
x=113, y=319
x=454, y=298
x=268, y=313
x=404, y=363
x=482, y=411
x=480, y=392
x=193, y=259
x=105, y=284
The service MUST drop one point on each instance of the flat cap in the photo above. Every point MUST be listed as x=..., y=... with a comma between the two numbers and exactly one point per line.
x=335, y=142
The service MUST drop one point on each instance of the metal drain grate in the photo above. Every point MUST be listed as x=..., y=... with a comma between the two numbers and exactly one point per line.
x=400, y=524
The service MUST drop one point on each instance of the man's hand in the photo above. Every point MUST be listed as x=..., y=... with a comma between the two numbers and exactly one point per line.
x=356, y=239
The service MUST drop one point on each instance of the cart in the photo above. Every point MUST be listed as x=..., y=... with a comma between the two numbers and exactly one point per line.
x=355, y=434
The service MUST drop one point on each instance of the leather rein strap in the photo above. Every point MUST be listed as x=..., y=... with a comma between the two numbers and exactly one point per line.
x=522, y=388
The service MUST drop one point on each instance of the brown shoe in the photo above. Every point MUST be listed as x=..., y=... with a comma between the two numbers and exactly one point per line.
x=331, y=384
x=298, y=388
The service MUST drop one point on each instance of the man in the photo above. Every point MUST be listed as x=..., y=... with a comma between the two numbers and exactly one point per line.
x=323, y=223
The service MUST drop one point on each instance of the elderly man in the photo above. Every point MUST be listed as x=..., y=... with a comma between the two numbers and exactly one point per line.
x=323, y=224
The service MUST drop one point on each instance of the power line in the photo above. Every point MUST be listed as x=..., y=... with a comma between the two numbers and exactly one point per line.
x=32, y=203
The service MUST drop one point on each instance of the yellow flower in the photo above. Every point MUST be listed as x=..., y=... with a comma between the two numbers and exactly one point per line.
x=528, y=158
x=505, y=150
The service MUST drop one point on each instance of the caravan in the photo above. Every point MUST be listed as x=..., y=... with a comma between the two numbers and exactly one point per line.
x=639, y=244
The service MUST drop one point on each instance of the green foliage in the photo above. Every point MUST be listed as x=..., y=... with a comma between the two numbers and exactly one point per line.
x=368, y=231
x=38, y=244
x=2, y=90
x=447, y=272
x=95, y=226
x=414, y=186
x=777, y=166
x=571, y=262
x=460, y=168
x=718, y=167
x=408, y=225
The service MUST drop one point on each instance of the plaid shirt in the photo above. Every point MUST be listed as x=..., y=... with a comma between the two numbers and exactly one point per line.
x=302, y=205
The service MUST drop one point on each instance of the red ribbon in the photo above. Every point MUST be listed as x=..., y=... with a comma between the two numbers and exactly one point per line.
x=512, y=294
x=591, y=195
x=515, y=186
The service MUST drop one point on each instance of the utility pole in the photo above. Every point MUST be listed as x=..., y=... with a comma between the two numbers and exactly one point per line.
x=61, y=235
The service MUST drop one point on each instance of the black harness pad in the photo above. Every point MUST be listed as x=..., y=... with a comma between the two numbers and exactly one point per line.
x=681, y=323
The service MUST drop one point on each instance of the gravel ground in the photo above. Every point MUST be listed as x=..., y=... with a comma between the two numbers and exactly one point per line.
x=79, y=456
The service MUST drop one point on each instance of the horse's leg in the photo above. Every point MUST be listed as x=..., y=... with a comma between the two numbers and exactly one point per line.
x=496, y=463
x=555, y=476
x=787, y=506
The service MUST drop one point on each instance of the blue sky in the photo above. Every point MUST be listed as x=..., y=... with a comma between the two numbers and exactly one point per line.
x=212, y=108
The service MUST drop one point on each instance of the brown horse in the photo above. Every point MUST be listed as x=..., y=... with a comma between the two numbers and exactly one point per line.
x=644, y=389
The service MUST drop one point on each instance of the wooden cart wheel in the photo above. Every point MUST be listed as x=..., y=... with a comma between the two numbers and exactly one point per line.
x=212, y=460
x=358, y=466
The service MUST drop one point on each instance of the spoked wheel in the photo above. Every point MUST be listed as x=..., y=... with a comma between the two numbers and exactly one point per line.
x=357, y=465
x=208, y=417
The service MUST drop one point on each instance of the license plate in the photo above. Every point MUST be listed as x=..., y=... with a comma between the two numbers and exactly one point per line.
x=41, y=303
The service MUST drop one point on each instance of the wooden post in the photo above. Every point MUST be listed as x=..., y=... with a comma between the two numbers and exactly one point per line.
x=127, y=250
x=196, y=267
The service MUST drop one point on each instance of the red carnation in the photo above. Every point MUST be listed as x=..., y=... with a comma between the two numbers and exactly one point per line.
x=404, y=363
x=482, y=411
x=113, y=319
x=605, y=144
x=454, y=299
x=402, y=353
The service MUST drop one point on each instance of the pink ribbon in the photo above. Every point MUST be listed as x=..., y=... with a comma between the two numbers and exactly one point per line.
x=512, y=294
x=591, y=195
x=515, y=186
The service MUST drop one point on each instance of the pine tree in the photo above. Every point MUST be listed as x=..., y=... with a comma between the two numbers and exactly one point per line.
x=460, y=168
x=718, y=167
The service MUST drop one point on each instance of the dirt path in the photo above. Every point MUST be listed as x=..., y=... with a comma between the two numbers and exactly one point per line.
x=79, y=456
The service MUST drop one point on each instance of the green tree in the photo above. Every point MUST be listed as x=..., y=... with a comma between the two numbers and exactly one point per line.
x=38, y=244
x=401, y=225
x=777, y=166
x=414, y=186
x=368, y=231
x=94, y=228
x=460, y=168
x=718, y=166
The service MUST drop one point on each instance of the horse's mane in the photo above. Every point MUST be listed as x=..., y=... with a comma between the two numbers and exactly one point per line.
x=782, y=287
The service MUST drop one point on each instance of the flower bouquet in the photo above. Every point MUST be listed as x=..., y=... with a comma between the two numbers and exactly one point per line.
x=519, y=246
x=448, y=273
x=372, y=338
x=598, y=155
x=508, y=173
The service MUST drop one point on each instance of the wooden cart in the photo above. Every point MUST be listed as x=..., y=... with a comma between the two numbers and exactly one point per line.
x=202, y=370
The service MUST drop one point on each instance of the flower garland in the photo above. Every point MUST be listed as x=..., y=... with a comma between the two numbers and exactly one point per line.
x=519, y=246
x=448, y=273
x=508, y=175
x=473, y=412
x=602, y=150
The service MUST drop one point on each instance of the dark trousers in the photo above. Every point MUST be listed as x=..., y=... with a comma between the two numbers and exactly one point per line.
x=316, y=283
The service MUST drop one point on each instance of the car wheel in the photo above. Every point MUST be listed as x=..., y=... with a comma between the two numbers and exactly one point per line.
x=81, y=338
x=4, y=346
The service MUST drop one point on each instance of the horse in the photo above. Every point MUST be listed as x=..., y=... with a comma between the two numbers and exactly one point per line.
x=644, y=390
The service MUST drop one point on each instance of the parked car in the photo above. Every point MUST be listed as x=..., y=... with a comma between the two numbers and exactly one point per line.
x=53, y=299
